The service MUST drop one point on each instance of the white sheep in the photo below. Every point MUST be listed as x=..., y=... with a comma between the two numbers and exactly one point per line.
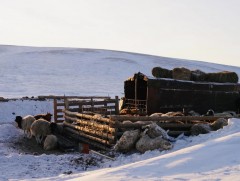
x=40, y=129
x=156, y=114
x=153, y=131
x=25, y=123
x=50, y=142
x=146, y=143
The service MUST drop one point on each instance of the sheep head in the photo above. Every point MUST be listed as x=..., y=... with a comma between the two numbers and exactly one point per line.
x=18, y=120
x=48, y=116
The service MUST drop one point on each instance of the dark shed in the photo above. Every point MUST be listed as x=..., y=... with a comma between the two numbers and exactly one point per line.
x=163, y=95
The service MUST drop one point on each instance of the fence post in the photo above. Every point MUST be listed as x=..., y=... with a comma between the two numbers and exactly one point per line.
x=116, y=105
x=55, y=109
x=80, y=110
x=66, y=103
x=92, y=105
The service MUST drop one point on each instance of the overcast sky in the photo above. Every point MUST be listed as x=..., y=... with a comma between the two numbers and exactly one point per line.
x=206, y=30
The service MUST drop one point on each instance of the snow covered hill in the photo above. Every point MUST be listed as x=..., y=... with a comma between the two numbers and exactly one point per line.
x=32, y=71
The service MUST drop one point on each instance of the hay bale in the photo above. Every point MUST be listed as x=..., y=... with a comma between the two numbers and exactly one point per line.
x=130, y=111
x=197, y=75
x=125, y=111
x=200, y=129
x=222, y=77
x=127, y=141
x=181, y=74
x=219, y=123
x=159, y=72
x=146, y=143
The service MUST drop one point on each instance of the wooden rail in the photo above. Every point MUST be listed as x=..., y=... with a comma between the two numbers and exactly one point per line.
x=96, y=142
x=59, y=103
x=106, y=130
x=165, y=118
x=86, y=116
x=92, y=132
x=92, y=124
x=82, y=119
x=105, y=106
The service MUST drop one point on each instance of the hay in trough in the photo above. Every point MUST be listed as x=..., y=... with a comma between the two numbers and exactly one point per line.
x=127, y=141
x=146, y=143
x=159, y=72
x=181, y=74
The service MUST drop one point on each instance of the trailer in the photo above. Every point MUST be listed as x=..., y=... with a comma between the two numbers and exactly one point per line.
x=150, y=95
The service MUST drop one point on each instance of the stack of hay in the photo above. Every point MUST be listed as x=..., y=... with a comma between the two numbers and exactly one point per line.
x=195, y=75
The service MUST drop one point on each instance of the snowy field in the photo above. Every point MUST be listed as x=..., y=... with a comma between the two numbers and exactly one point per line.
x=29, y=71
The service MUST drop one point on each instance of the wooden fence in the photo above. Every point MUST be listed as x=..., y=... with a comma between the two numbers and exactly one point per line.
x=100, y=105
x=174, y=125
x=59, y=104
x=104, y=131
x=88, y=121
x=94, y=130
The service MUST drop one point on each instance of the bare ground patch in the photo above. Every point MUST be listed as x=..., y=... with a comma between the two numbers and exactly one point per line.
x=30, y=146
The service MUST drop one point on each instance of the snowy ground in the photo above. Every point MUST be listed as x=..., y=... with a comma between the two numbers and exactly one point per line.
x=27, y=71
x=206, y=157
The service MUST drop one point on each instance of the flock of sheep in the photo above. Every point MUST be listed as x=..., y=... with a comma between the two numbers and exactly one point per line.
x=41, y=127
x=152, y=136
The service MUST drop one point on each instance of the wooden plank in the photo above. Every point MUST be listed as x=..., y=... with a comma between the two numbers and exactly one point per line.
x=162, y=125
x=168, y=119
x=92, y=141
x=60, y=116
x=73, y=103
x=78, y=133
x=59, y=121
x=85, y=116
x=93, y=124
x=105, y=156
x=87, y=130
x=60, y=104
x=73, y=97
x=59, y=110
x=73, y=109
x=191, y=85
